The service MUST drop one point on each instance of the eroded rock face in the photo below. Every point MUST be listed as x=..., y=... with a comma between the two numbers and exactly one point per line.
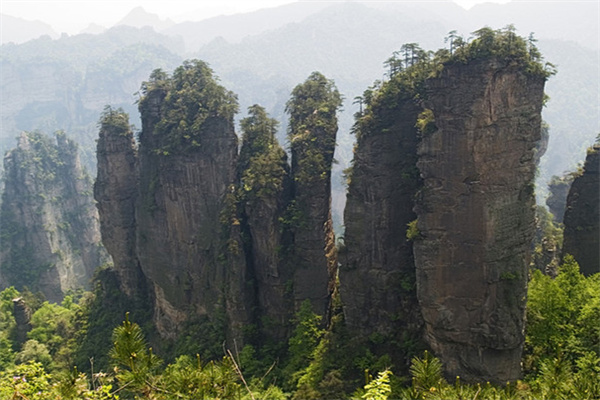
x=377, y=273
x=216, y=240
x=178, y=225
x=22, y=314
x=265, y=194
x=51, y=235
x=582, y=230
x=476, y=216
x=115, y=191
x=314, y=239
x=313, y=127
x=557, y=199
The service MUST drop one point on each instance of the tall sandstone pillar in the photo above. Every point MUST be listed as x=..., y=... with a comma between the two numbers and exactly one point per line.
x=313, y=128
x=187, y=159
x=115, y=191
x=476, y=215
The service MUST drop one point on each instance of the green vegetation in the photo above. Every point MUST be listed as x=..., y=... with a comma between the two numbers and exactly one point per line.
x=262, y=162
x=412, y=231
x=547, y=242
x=409, y=68
x=38, y=168
x=561, y=359
x=313, y=125
x=190, y=99
x=115, y=120
x=562, y=316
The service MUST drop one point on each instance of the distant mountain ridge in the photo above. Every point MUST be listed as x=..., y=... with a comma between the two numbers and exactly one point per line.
x=139, y=18
x=19, y=30
x=261, y=62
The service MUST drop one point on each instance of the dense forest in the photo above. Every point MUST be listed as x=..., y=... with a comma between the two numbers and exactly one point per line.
x=228, y=282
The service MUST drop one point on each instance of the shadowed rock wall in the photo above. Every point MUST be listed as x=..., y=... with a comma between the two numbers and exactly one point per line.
x=582, y=217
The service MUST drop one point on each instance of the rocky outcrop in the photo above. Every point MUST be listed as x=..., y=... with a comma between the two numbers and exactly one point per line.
x=582, y=217
x=22, y=314
x=231, y=241
x=115, y=191
x=476, y=215
x=188, y=155
x=313, y=127
x=49, y=224
x=558, y=189
x=377, y=272
x=265, y=194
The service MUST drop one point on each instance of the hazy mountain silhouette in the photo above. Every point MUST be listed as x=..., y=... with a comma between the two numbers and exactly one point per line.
x=18, y=30
x=139, y=18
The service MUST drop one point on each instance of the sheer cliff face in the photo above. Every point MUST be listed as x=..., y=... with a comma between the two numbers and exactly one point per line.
x=377, y=270
x=213, y=237
x=181, y=194
x=49, y=225
x=265, y=188
x=476, y=216
x=313, y=128
x=115, y=191
x=582, y=216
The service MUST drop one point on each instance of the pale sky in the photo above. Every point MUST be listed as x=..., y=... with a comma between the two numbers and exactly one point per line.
x=72, y=16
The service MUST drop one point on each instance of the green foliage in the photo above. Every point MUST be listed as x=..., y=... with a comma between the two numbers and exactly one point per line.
x=53, y=326
x=505, y=45
x=562, y=315
x=262, y=162
x=190, y=98
x=313, y=107
x=426, y=372
x=313, y=103
x=412, y=231
x=34, y=351
x=426, y=122
x=189, y=378
x=135, y=365
x=26, y=381
x=303, y=342
x=114, y=120
x=379, y=388
x=99, y=312
x=7, y=327
x=203, y=336
x=7, y=355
